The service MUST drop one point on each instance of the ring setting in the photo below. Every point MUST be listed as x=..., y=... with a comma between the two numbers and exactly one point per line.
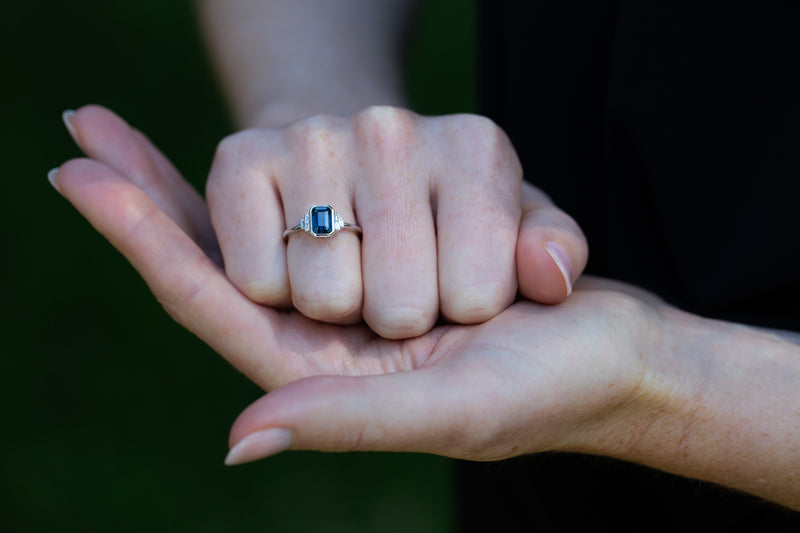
x=322, y=222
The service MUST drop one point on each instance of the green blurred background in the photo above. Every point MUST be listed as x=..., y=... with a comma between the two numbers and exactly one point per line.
x=115, y=418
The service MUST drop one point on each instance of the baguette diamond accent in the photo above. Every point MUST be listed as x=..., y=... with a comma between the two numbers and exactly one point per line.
x=322, y=222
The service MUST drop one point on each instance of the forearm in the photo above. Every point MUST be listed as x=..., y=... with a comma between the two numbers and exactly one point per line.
x=280, y=60
x=721, y=402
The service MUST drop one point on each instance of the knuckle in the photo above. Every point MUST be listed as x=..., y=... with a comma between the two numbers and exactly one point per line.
x=486, y=147
x=313, y=125
x=241, y=157
x=475, y=125
x=386, y=127
x=315, y=136
x=234, y=153
x=318, y=147
x=233, y=147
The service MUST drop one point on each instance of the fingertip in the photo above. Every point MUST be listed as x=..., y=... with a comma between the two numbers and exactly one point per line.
x=92, y=121
x=398, y=411
x=541, y=278
x=51, y=177
x=259, y=445
x=551, y=253
x=66, y=117
x=561, y=259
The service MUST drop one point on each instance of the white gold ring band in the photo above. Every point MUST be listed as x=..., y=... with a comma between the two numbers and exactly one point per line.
x=322, y=222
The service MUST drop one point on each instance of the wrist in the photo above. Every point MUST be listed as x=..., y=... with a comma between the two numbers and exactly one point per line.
x=628, y=388
x=640, y=393
x=714, y=402
x=655, y=424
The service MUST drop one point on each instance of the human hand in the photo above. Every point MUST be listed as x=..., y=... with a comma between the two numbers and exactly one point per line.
x=465, y=391
x=612, y=371
x=439, y=203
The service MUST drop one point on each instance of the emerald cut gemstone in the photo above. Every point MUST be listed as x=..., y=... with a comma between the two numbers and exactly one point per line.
x=321, y=220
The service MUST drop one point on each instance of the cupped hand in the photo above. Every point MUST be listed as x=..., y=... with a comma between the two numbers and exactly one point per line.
x=438, y=199
x=534, y=377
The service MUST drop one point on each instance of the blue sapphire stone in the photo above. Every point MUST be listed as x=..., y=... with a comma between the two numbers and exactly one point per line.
x=321, y=220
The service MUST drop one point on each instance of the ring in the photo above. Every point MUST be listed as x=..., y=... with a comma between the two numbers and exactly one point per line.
x=322, y=222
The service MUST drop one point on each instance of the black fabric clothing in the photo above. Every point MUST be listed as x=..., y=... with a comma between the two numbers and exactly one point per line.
x=670, y=131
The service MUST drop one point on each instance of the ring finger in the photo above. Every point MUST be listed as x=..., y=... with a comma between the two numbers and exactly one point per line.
x=324, y=269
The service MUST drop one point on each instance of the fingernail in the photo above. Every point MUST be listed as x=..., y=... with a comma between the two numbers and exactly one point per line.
x=259, y=445
x=51, y=177
x=66, y=116
x=561, y=260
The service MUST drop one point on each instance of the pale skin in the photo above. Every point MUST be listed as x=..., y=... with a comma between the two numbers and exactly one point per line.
x=439, y=203
x=438, y=198
x=611, y=371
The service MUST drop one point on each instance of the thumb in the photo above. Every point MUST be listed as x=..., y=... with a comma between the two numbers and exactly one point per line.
x=390, y=412
x=551, y=249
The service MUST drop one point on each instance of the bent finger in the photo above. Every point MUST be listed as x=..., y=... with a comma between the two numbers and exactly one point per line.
x=246, y=212
x=551, y=249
